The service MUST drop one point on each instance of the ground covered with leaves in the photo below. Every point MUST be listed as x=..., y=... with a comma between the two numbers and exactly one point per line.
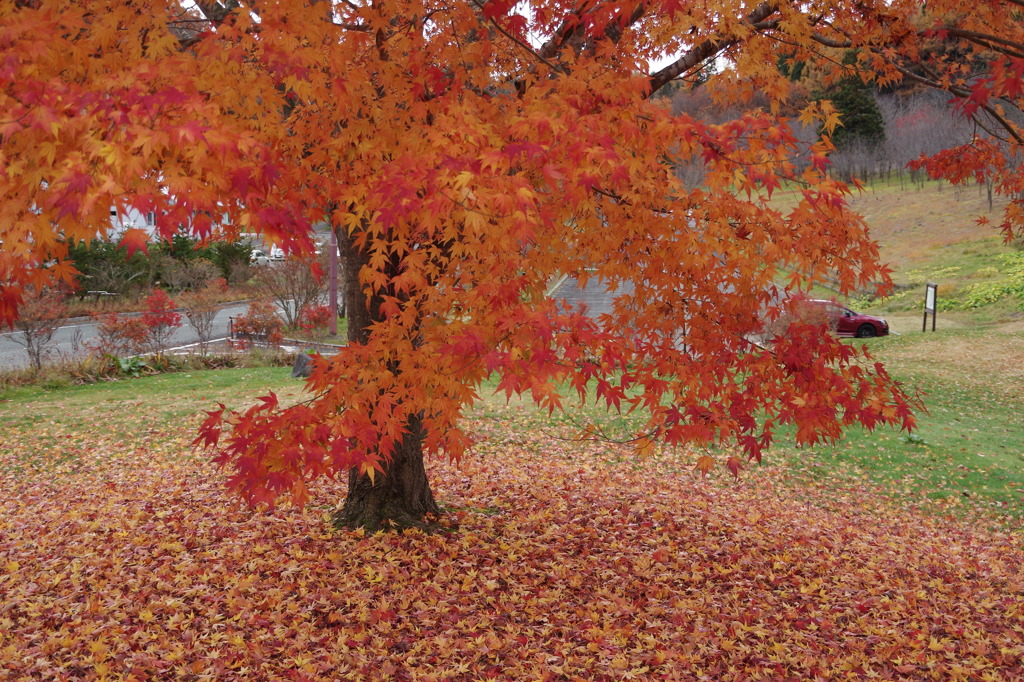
x=121, y=557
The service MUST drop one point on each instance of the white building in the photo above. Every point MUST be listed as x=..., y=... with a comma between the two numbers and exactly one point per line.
x=120, y=222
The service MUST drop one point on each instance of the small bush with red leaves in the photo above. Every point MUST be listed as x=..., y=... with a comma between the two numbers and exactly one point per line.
x=259, y=323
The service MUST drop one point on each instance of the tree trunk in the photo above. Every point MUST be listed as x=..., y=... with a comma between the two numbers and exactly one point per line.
x=398, y=499
x=401, y=496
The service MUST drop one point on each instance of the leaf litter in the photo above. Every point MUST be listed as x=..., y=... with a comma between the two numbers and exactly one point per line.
x=127, y=559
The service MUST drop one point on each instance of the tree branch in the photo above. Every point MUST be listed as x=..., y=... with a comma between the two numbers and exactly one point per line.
x=215, y=11
x=524, y=46
x=963, y=93
x=994, y=43
x=711, y=47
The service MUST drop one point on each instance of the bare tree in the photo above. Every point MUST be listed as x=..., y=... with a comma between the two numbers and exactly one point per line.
x=41, y=315
x=189, y=274
x=920, y=123
x=858, y=159
x=293, y=284
x=201, y=308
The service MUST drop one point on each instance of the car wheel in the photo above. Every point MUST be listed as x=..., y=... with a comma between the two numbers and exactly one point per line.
x=865, y=331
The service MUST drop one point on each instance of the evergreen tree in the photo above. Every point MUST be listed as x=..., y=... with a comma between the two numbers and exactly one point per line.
x=855, y=101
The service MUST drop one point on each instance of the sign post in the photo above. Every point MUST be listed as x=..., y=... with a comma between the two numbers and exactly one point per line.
x=929, y=306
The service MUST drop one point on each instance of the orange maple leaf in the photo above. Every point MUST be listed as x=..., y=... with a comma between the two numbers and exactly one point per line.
x=134, y=240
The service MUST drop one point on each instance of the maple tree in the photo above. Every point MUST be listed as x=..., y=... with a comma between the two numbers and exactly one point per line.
x=119, y=335
x=314, y=321
x=260, y=322
x=466, y=155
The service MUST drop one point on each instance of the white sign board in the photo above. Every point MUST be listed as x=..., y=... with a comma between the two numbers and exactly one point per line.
x=929, y=306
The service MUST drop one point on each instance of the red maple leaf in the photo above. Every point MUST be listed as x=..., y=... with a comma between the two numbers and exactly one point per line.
x=135, y=239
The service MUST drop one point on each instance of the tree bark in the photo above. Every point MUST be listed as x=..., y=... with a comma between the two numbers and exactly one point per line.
x=401, y=496
x=398, y=499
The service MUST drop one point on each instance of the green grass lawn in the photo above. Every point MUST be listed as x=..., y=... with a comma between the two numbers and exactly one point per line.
x=967, y=455
x=130, y=406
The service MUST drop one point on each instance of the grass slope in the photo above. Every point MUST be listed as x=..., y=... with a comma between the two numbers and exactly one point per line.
x=931, y=233
x=967, y=455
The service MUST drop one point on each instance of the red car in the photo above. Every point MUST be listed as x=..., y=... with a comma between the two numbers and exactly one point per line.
x=842, y=320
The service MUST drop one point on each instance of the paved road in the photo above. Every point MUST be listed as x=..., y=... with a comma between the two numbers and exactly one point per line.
x=73, y=337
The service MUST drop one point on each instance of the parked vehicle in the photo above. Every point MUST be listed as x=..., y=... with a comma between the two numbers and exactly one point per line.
x=842, y=320
x=259, y=258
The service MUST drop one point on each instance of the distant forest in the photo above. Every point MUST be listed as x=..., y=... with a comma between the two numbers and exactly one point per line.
x=882, y=131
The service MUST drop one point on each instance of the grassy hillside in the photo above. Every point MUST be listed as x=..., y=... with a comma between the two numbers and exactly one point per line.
x=931, y=234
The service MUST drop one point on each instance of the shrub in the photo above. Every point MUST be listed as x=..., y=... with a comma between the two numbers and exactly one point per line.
x=231, y=258
x=240, y=273
x=189, y=274
x=106, y=266
x=119, y=335
x=42, y=313
x=259, y=323
x=182, y=263
x=1010, y=286
x=160, y=319
x=314, y=319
